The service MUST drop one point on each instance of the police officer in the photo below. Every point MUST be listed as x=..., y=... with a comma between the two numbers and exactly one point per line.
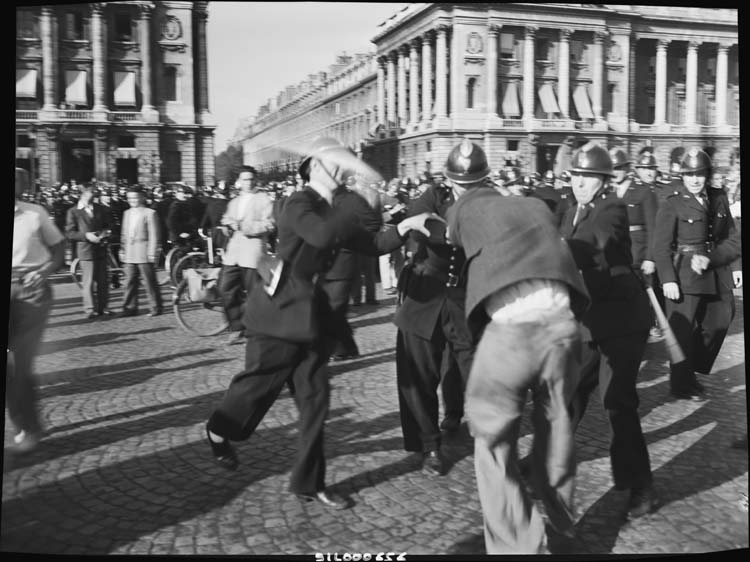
x=618, y=321
x=431, y=319
x=544, y=189
x=700, y=307
x=641, y=206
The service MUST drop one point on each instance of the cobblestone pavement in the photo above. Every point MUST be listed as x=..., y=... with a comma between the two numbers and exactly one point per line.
x=125, y=468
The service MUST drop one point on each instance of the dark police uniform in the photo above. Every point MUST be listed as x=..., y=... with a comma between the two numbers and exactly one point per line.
x=618, y=320
x=180, y=219
x=641, y=204
x=701, y=316
x=431, y=322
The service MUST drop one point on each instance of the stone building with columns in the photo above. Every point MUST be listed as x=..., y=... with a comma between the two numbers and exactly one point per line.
x=114, y=90
x=339, y=102
x=532, y=82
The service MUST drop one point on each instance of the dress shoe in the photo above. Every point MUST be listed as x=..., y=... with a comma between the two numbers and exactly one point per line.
x=336, y=357
x=328, y=499
x=432, y=463
x=91, y=315
x=155, y=313
x=25, y=442
x=106, y=312
x=451, y=423
x=234, y=338
x=688, y=394
x=391, y=291
x=642, y=501
x=223, y=453
x=129, y=313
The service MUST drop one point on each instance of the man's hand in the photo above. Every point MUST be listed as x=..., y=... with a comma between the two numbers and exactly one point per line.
x=648, y=267
x=184, y=235
x=224, y=230
x=417, y=222
x=671, y=291
x=735, y=209
x=93, y=238
x=699, y=263
x=737, y=277
x=33, y=279
x=151, y=259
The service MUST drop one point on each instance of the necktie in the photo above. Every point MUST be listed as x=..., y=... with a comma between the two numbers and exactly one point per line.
x=579, y=214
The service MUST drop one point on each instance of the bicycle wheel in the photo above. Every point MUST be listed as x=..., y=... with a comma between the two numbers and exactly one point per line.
x=75, y=272
x=199, y=318
x=173, y=256
x=193, y=259
x=162, y=272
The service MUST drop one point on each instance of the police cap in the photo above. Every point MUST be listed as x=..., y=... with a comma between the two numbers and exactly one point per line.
x=696, y=160
x=592, y=158
x=467, y=163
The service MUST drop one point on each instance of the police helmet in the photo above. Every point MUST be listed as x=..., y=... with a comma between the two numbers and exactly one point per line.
x=592, y=158
x=619, y=158
x=549, y=177
x=467, y=163
x=646, y=160
x=696, y=160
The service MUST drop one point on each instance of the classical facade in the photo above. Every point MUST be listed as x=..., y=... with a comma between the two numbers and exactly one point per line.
x=115, y=90
x=339, y=103
x=532, y=82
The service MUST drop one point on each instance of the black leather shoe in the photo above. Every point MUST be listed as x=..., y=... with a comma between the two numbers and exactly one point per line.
x=740, y=443
x=328, y=499
x=106, y=312
x=689, y=394
x=129, y=313
x=451, y=423
x=223, y=453
x=336, y=357
x=642, y=501
x=433, y=464
x=91, y=315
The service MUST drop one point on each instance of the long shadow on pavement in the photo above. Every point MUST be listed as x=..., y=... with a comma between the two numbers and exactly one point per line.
x=91, y=340
x=101, y=509
x=102, y=377
x=706, y=464
x=375, y=321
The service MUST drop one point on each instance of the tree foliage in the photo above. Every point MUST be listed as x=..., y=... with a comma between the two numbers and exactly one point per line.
x=228, y=164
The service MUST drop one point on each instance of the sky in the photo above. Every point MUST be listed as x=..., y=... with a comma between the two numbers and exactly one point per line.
x=255, y=49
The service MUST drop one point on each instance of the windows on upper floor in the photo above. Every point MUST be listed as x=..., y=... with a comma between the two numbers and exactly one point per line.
x=27, y=24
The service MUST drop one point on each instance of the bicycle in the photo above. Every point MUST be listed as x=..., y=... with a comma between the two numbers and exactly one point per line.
x=204, y=317
x=113, y=267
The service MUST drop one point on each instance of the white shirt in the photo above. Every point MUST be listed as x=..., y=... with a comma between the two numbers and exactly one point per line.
x=134, y=218
x=34, y=233
x=532, y=300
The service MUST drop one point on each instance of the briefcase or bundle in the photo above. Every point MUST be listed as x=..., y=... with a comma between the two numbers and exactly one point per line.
x=202, y=284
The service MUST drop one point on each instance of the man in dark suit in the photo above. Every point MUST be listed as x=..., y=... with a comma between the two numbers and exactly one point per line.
x=216, y=206
x=430, y=319
x=340, y=278
x=286, y=325
x=618, y=321
x=700, y=307
x=181, y=221
x=89, y=225
x=524, y=292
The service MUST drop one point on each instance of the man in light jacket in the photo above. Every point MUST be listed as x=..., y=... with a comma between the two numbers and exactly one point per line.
x=249, y=220
x=139, y=241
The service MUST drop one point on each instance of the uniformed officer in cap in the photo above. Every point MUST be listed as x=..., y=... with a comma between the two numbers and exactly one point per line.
x=641, y=206
x=699, y=307
x=431, y=317
x=618, y=321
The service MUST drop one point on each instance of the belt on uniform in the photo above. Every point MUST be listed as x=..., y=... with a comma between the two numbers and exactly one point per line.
x=695, y=248
x=450, y=279
x=636, y=227
x=617, y=270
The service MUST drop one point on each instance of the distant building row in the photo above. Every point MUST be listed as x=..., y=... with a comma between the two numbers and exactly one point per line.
x=525, y=80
